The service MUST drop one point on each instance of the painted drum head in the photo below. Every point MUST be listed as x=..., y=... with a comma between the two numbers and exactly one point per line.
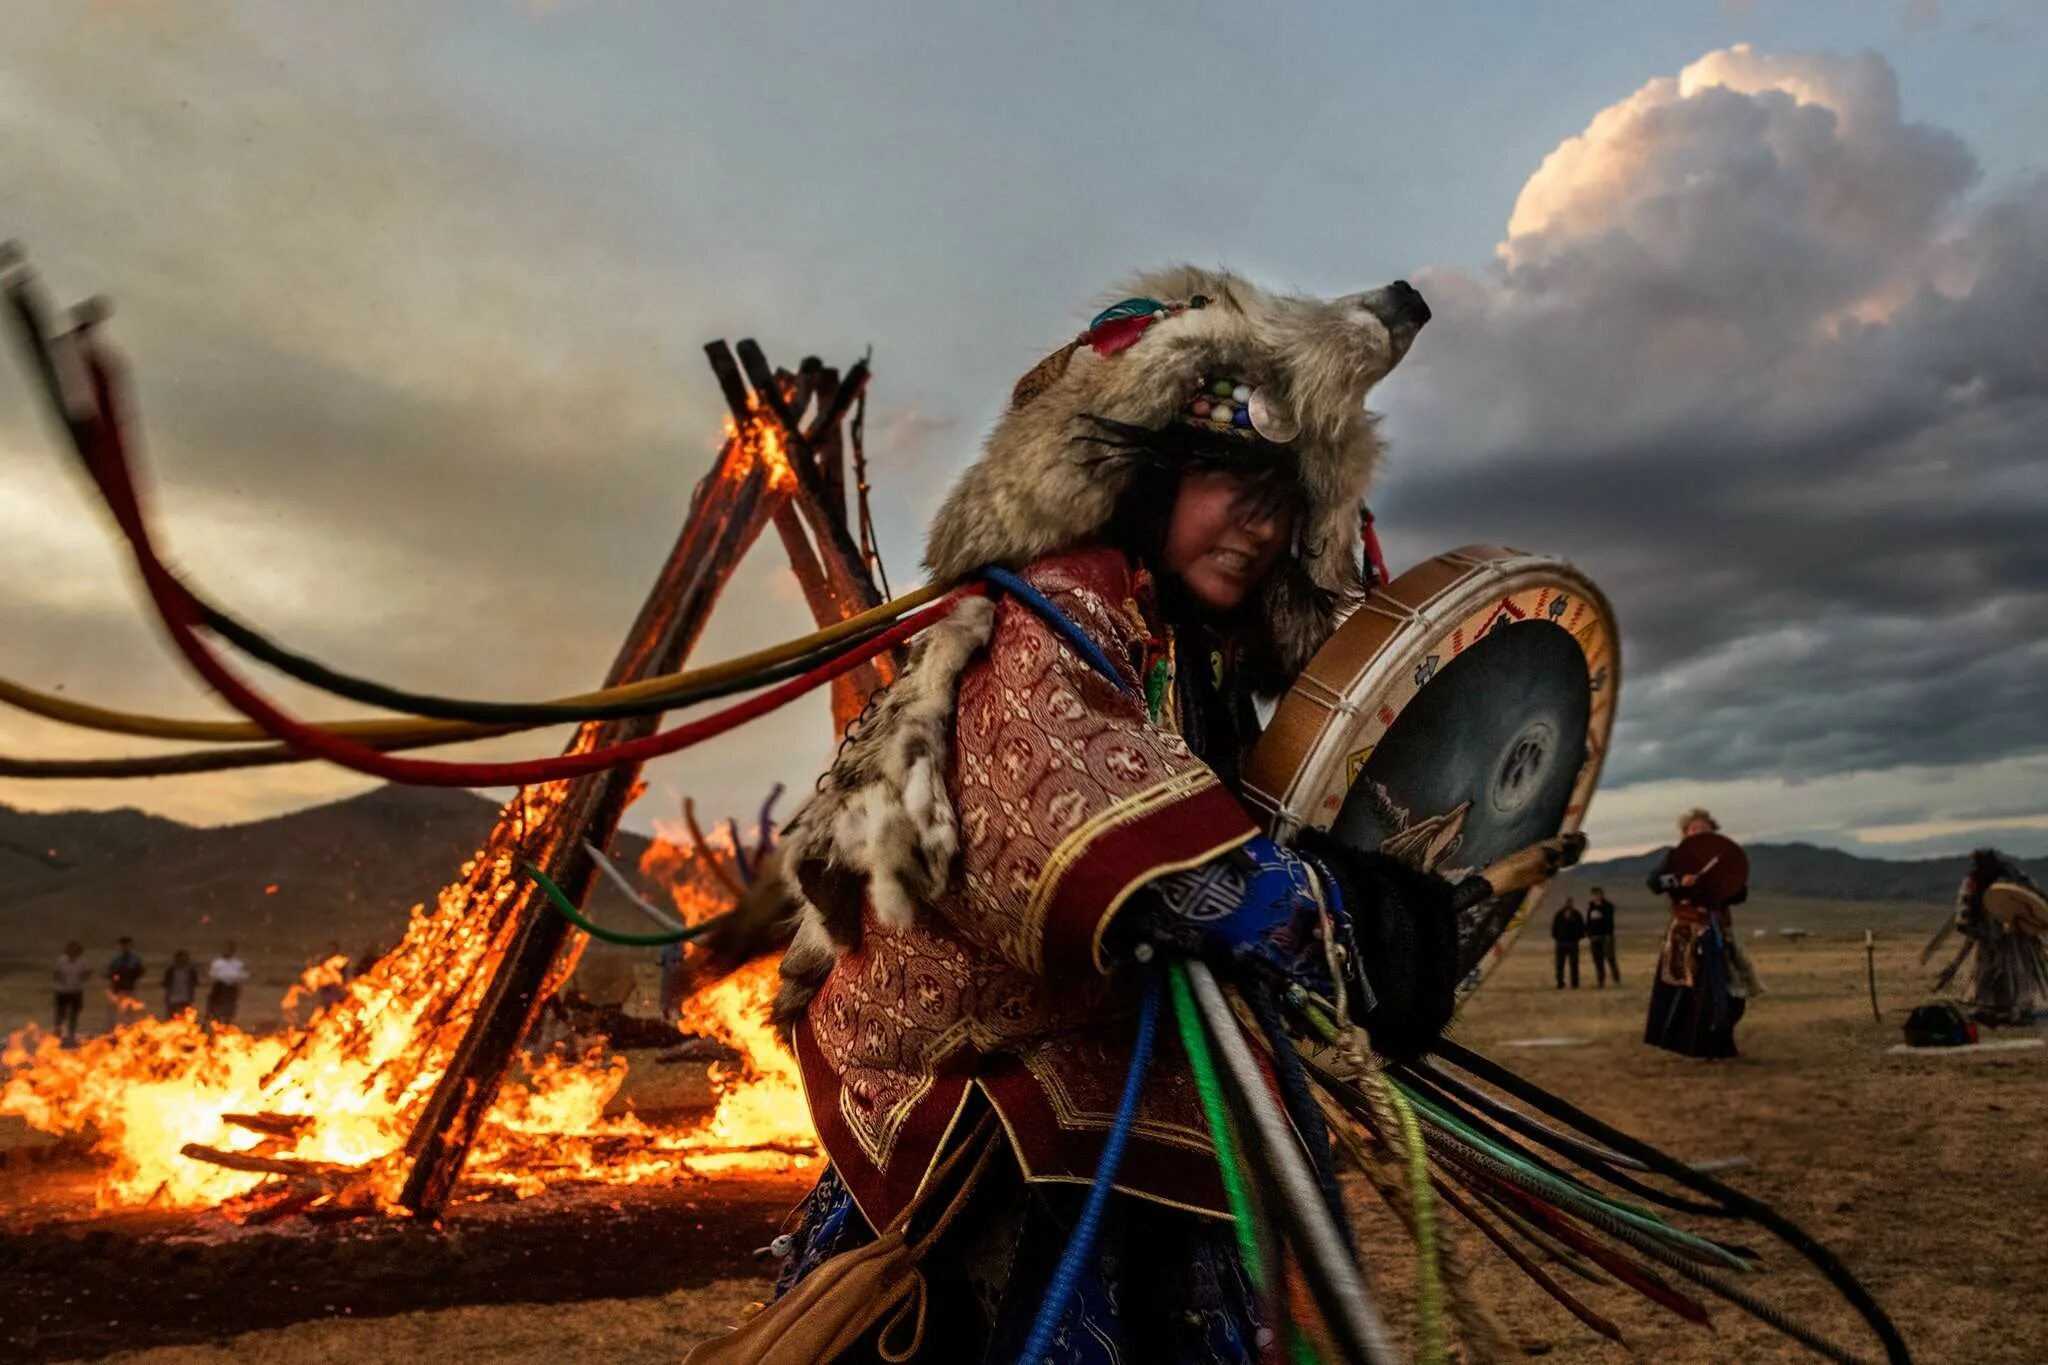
x=1459, y=715
x=2019, y=907
x=1719, y=863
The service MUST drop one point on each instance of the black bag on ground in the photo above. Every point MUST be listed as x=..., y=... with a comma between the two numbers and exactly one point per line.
x=1941, y=1024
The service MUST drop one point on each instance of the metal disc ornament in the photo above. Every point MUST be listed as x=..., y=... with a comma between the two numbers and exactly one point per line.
x=1271, y=418
x=1459, y=715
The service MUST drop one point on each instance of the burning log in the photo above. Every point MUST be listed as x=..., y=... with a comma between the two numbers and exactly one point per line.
x=267, y=1165
x=272, y=1125
x=725, y=517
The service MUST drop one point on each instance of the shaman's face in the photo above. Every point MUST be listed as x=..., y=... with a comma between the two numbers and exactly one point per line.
x=1223, y=538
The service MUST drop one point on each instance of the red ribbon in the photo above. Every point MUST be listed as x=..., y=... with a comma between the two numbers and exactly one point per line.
x=107, y=461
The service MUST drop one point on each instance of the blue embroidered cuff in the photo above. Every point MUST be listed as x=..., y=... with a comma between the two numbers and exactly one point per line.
x=1258, y=904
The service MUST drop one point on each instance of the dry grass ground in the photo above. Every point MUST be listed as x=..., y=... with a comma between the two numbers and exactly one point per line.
x=1927, y=1174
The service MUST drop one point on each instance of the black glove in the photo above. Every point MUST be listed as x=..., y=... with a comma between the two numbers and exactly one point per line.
x=1407, y=941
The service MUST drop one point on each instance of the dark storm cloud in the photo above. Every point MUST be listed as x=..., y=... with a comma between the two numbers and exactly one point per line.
x=1754, y=356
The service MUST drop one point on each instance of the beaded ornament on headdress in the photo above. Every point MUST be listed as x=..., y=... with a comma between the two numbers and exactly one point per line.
x=1222, y=406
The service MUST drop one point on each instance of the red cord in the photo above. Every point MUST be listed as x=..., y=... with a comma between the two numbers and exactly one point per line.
x=1375, y=558
x=108, y=465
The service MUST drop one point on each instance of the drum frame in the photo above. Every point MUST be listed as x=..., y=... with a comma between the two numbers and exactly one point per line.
x=1372, y=667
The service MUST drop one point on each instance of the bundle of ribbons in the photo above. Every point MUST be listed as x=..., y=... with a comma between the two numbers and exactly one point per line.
x=1560, y=1194
x=82, y=382
x=1571, y=1202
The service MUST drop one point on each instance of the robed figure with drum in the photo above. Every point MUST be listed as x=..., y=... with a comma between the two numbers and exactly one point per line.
x=1704, y=979
x=1047, y=802
x=2003, y=918
x=1065, y=811
x=1064, y=786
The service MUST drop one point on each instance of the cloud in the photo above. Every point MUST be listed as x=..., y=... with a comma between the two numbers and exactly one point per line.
x=421, y=402
x=1758, y=354
x=415, y=308
x=1952, y=807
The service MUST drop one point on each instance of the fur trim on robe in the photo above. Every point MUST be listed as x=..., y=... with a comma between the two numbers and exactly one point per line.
x=880, y=829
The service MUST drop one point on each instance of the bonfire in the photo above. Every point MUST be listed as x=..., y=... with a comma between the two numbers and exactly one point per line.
x=318, y=1117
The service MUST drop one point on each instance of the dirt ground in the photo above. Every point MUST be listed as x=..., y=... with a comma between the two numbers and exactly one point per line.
x=1924, y=1172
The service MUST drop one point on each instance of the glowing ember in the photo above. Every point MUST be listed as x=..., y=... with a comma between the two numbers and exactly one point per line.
x=338, y=1098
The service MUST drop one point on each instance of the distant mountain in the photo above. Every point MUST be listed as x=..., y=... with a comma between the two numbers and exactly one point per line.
x=1808, y=870
x=349, y=872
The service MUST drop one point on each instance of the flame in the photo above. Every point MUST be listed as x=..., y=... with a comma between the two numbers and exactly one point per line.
x=336, y=1099
x=762, y=443
x=761, y=1102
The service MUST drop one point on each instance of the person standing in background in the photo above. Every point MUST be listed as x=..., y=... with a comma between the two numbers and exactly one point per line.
x=1704, y=979
x=71, y=976
x=181, y=984
x=1567, y=927
x=124, y=977
x=224, y=986
x=671, y=969
x=1600, y=937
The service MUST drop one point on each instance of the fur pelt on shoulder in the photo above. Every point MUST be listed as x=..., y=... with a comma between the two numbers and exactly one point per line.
x=880, y=829
x=1044, y=484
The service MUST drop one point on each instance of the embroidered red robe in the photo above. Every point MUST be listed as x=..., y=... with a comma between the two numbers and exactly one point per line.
x=1069, y=799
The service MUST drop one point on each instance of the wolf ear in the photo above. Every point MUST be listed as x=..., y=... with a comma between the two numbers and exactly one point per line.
x=1043, y=375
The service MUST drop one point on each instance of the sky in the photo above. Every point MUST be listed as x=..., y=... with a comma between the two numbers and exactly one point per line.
x=1737, y=306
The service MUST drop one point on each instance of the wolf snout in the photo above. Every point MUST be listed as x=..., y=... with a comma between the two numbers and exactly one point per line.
x=1399, y=305
x=1399, y=308
x=1409, y=305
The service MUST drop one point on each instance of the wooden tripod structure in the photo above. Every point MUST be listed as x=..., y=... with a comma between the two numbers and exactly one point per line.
x=784, y=462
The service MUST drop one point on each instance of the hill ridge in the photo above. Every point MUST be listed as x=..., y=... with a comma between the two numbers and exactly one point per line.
x=1798, y=868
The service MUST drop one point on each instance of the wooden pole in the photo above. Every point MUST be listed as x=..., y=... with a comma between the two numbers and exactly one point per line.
x=728, y=511
x=829, y=565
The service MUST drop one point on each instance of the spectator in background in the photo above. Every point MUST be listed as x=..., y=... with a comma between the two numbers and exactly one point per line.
x=224, y=986
x=1567, y=927
x=671, y=981
x=124, y=979
x=72, y=974
x=1600, y=937
x=181, y=984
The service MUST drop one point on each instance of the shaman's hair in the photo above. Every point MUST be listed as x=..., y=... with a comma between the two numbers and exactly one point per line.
x=1143, y=512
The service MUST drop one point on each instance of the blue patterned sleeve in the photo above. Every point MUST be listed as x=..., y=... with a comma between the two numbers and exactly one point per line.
x=1260, y=905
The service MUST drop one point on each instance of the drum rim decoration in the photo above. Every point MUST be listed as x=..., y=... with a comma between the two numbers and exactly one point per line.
x=1300, y=771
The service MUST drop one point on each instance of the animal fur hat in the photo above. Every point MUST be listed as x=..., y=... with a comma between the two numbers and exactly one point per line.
x=1048, y=480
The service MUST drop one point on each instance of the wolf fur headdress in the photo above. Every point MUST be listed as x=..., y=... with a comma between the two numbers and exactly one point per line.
x=880, y=828
x=1046, y=482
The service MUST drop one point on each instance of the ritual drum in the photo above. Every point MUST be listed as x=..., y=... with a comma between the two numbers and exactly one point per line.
x=1460, y=714
x=2019, y=907
x=1716, y=863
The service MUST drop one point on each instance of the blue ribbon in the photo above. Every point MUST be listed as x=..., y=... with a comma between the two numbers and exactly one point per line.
x=1080, y=640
